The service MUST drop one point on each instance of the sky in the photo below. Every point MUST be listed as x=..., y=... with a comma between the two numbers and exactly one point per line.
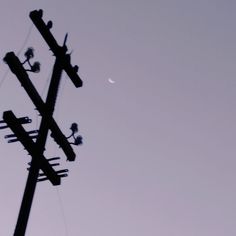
x=158, y=156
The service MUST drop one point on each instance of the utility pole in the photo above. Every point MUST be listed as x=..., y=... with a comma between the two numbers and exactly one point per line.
x=36, y=148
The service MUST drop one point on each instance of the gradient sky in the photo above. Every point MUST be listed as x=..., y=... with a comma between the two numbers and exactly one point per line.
x=159, y=144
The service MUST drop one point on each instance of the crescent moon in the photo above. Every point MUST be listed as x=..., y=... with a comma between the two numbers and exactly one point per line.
x=111, y=81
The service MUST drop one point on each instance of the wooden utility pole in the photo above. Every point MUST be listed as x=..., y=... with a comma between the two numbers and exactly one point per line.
x=36, y=148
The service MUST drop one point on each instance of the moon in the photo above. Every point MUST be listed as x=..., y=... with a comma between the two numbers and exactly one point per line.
x=111, y=81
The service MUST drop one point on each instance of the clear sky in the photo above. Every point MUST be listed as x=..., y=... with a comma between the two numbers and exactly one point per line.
x=159, y=144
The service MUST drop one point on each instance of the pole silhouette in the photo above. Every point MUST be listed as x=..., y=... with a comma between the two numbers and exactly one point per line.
x=48, y=124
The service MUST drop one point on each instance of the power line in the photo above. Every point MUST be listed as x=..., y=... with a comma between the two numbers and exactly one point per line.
x=25, y=41
x=62, y=212
x=4, y=77
x=19, y=51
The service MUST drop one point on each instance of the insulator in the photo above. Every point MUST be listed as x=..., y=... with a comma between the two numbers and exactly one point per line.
x=78, y=140
x=29, y=54
x=35, y=68
x=76, y=68
x=45, y=178
x=54, y=164
x=22, y=120
x=74, y=127
x=49, y=24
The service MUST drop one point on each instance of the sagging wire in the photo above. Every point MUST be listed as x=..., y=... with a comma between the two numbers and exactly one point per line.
x=46, y=85
x=26, y=40
x=4, y=77
x=62, y=212
x=42, y=93
x=62, y=88
x=18, y=52
x=60, y=202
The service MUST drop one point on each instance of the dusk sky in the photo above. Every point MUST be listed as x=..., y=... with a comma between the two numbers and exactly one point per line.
x=159, y=151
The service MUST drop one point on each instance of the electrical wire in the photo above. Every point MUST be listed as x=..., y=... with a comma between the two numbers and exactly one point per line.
x=18, y=52
x=58, y=193
x=46, y=84
x=4, y=77
x=26, y=40
x=62, y=92
x=62, y=212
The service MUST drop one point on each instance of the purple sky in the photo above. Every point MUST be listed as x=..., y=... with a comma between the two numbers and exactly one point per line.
x=159, y=144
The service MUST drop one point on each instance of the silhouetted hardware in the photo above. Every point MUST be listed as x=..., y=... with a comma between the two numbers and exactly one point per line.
x=34, y=141
x=54, y=164
x=58, y=172
x=29, y=54
x=76, y=140
x=59, y=52
x=30, y=146
x=74, y=129
x=21, y=120
x=33, y=134
x=53, y=159
x=61, y=173
x=49, y=161
x=17, y=68
x=28, y=132
x=17, y=140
